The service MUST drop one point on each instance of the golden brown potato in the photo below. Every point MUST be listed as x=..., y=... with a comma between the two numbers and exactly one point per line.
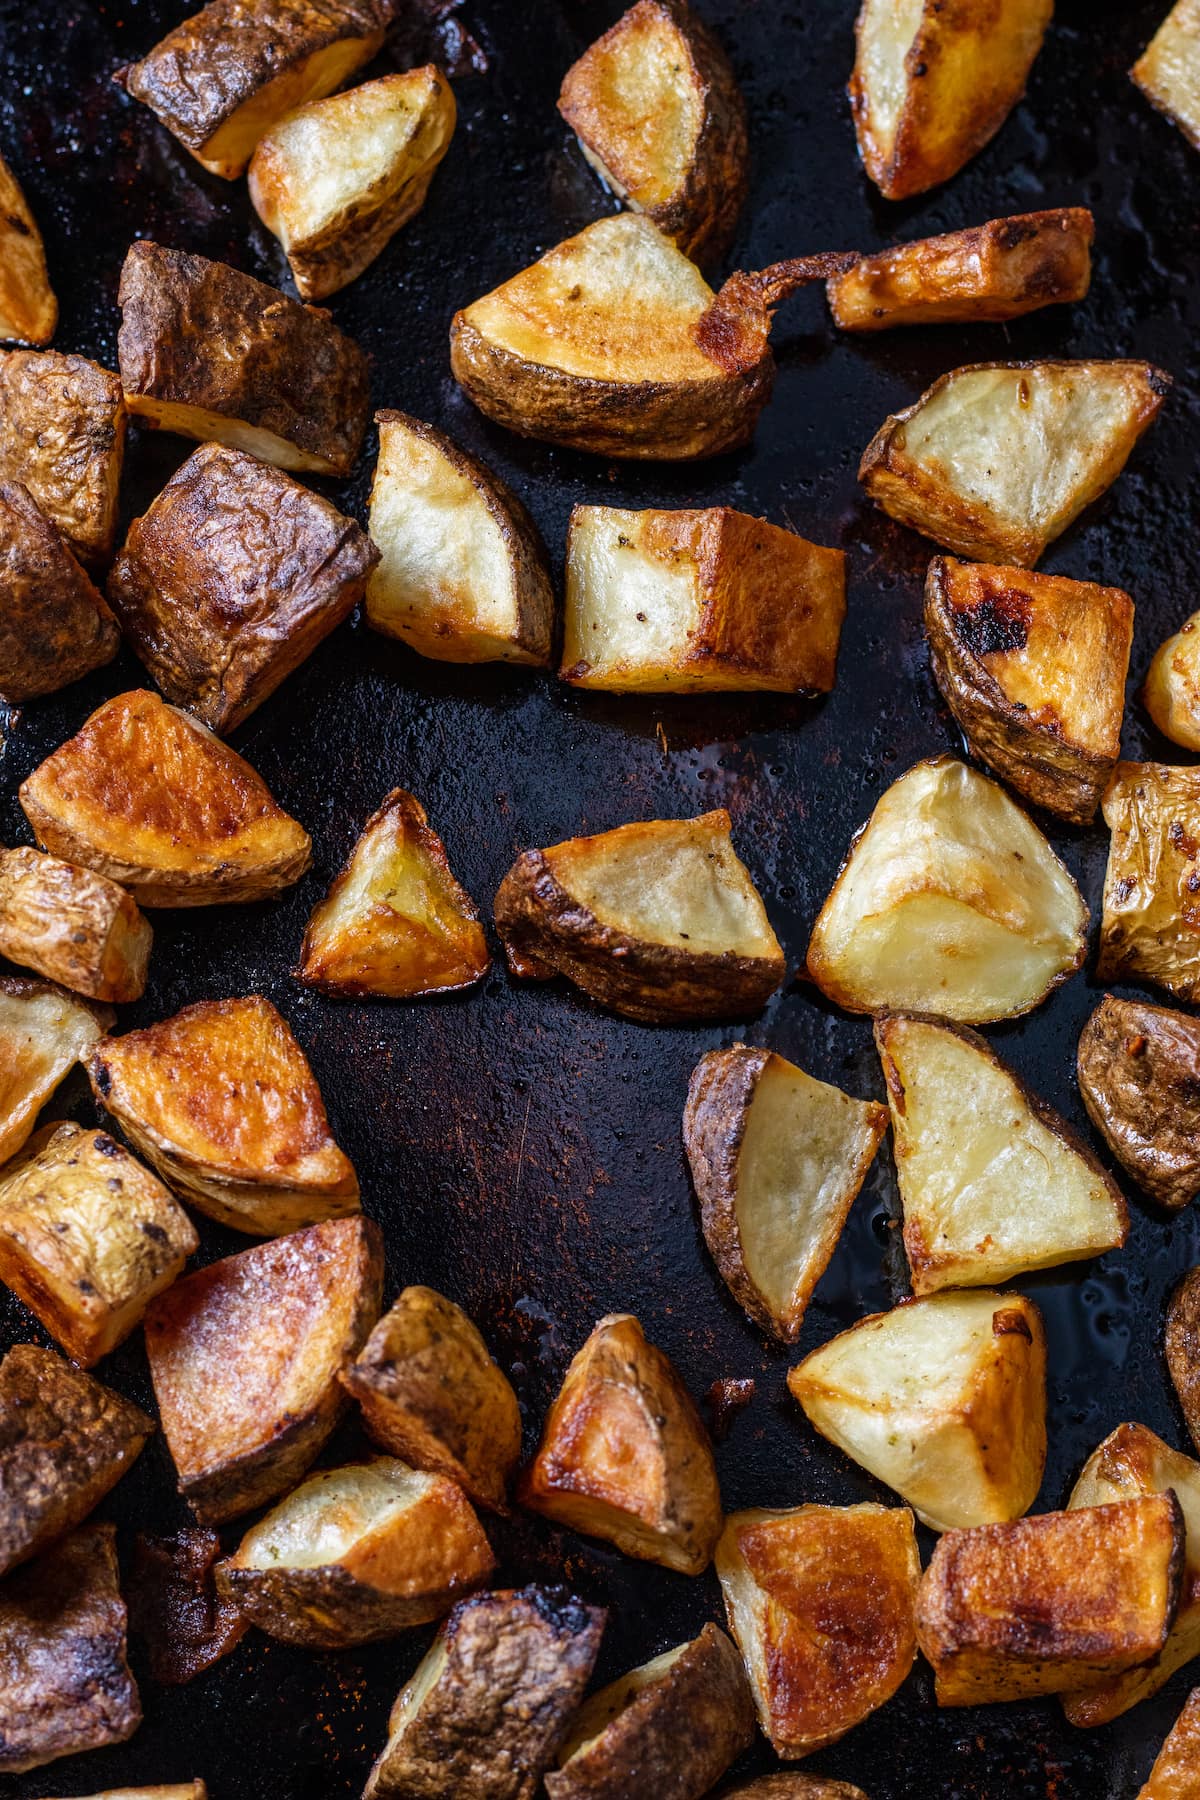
x=943, y=1398
x=44, y=1032
x=212, y=354
x=188, y=1790
x=395, y=922
x=1172, y=691
x=1033, y=668
x=950, y=902
x=793, y=1787
x=245, y=1357
x=28, y=309
x=72, y=925
x=1139, y=1074
x=820, y=1600
x=624, y=1455
x=88, y=1237
x=64, y=424
x=1052, y=1603
x=994, y=461
x=431, y=1394
x=336, y=179
x=687, y=602
x=1176, y=1771
x=1148, y=931
x=230, y=72
x=660, y=117
x=150, y=798
x=933, y=84
x=54, y=625
x=1168, y=70
x=777, y=1159
x=1182, y=1345
x=175, y=1608
x=221, y=1100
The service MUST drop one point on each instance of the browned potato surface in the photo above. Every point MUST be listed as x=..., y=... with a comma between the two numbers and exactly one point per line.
x=188, y=1790
x=174, y=1607
x=1168, y=70
x=1148, y=931
x=28, y=308
x=44, y=1032
x=1172, y=692
x=54, y=625
x=72, y=926
x=1176, y=1771
x=63, y=438
x=1182, y=1345
x=1139, y=1074
x=793, y=1787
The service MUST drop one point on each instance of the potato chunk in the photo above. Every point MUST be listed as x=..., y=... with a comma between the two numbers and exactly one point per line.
x=54, y=625
x=44, y=1032
x=996, y=460
x=659, y=115
x=1033, y=668
x=624, y=1455
x=794, y=1787
x=245, y=1357
x=150, y=798
x=72, y=925
x=1149, y=931
x=777, y=1159
x=687, y=602
x=28, y=308
x=216, y=355
x=88, y=1237
x=336, y=179
x=950, y=902
x=1182, y=1345
x=944, y=1399
x=820, y=1600
x=993, y=1182
x=1168, y=70
x=1139, y=1075
x=1176, y=1771
x=187, y=1790
x=175, y=1608
x=1050, y=1604
x=64, y=422
x=1172, y=691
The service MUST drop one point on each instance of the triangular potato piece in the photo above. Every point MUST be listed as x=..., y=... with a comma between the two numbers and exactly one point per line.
x=993, y=1182
x=54, y=625
x=44, y=1032
x=1176, y=1771
x=64, y=439
x=1168, y=70
x=72, y=926
x=994, y=461
x=28, y=309
x=150, y=798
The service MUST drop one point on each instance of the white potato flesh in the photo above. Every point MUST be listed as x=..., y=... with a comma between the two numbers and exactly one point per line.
x=217, y=428
x=642, y=106
x=44, y=1032
x=1168, y=73
x=599, y=1712
x=885, y=35
x=322, y=1521
x=231, y=146
x=629, y=614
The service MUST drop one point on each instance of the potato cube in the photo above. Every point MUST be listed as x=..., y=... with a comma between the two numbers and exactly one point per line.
x=1152, y=883
x=54, y=625
x=72, y=926
x=64, y=422
x=1139, y=1075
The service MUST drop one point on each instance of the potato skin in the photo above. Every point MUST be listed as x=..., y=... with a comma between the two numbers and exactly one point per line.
x=1147, y=931
x=1139, y=1075
x=72, y=925
x=1171, y=694
x=64, y=438
x=28, y=308
x=1182, y=1346
x=44, y=1032
x=54, y=625
x=174, y=1607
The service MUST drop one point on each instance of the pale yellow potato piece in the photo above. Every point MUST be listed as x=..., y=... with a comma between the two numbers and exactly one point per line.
x=1149, y=928
x=1168, y=70
x=1172, y=690
x=44, y=1032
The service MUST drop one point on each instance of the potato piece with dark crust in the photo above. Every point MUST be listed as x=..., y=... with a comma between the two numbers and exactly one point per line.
x=245, y=1356
x=793, y=1787
x=28, y=308
x=820, y=1600
x=777, y=1159
x=1151, y=912
x=44, y=1032
x=1182, y=1346
x=1139, y=1074
x=175, y=1608
x=431, y=1394
x=88, y=1237
x=63, y=438
x=54, y=625
x=1172, y=692
x=1176, y=1771
x=1168, y=70
x=72, y=925
x=492, y=1701
x=213, y=354
x=1050, y=1604
x=1033, y=667
x=150, y=798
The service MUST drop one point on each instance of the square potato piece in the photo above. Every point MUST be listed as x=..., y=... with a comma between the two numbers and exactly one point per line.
x=44, y=1032
x=1168, y=70
x=1150, y=930
x=1176, y=1771
x=28, y=308
x=62, y=435
x=54, y=625
x=72, y=925
x=1139, y=1075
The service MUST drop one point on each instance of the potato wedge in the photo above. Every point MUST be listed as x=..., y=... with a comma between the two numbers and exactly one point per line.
x=943, y=1398
x=1148, y=931
x=777, y=1159
x=54, y=625
x=1139, y=1075
x=336, y=179
x=660, y=117
x=1176, y=1771
x=221, y=1100
x=72, y=926
x=44, y=1032
x=669, y=1728
x=994, y=461
x=174, y=1606
x=624, y=1455
x=994, y=1182
x=225, y=76
x=689, y=602
x=492, y=1701
x=1172, y=692
x=1168, y=70
x=793, y=1787
x=820, y=1600
x=933, y=84
x=88, y=1237
x=64, y=424
x=245, y=1355
x=1033, y=668
x=395, y=922
x=1182, y=1346
x=210, y=353
x=1049, y=1604
x=150, y=798
x=431, y=1394
x=659, y=921
x=951, y=902
x=28, y=308
x=463, y=575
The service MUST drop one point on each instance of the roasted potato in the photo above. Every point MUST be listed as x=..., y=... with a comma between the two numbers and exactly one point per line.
x=660, y=117
x=669, y=1728
x=820, y=1600
x=1033, y=668
x=175, y=1608
x=395, y=922
x=54, y=625
x=221, y=1100
x=791, y=1786
x=951, y=902
x=150, y=798
x=1168, y=70
x=777, y=1159
x=463, y=575
x=944, y=1399
x=88, y=1237
x=1139, y=1074
x=1182, y=1345
x=1172, y=691
x=993, y=1181
x=624, y=1455
x=64, y=424
x=65, y=1685
x=336, y=179
x=72, y=926
x=212, y=354
x=1046, y=1605
x=688, y=602
x=1176, y=1771
x=187, y=1790
x=44, y=1032
x=64, y=1442
x=431, y=1394
x=994, y=461
x=659, y=921
x=230, y=72
x=28, y=308
x=1149, y=928
x=245, y=1356
x=492, y=1701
